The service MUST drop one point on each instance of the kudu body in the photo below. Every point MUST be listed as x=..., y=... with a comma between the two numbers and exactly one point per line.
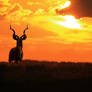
x=16, y=54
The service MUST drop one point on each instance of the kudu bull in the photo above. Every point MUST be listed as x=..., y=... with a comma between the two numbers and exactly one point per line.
x=16, y=54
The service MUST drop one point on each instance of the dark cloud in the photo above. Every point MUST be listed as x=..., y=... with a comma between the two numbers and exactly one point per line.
x=78, y=8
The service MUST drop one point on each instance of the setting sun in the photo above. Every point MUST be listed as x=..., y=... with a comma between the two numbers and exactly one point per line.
x=70, y=22
x=67, y=4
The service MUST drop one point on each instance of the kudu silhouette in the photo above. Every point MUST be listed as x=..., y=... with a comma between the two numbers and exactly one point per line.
x=16, y=53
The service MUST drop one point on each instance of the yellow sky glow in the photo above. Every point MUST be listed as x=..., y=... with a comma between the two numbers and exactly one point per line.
x=66, y=4
x=70, y=22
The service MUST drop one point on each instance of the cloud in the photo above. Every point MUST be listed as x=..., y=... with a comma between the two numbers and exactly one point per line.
x=13, y=12
x=40, y=12
x=63, y=35
x=18, y=13
x=78, y=8
x=33, y=3
x=4, y=4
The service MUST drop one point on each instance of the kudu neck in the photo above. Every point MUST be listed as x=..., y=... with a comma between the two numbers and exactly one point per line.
x=19, y=43
x=19, y=47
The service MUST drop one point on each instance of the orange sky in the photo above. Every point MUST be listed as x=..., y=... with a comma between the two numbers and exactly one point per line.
x=50, y=36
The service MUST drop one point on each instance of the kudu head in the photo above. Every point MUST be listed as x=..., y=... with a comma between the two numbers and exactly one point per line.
x=17, y=38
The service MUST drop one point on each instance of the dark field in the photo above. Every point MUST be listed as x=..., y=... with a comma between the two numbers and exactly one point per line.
x=47, y=76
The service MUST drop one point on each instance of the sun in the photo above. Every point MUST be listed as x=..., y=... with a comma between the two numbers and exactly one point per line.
x=67, y=4
x=70, y=22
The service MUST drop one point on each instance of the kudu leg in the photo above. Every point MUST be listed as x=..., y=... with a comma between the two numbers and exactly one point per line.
x=10, y=62
x=16, y=61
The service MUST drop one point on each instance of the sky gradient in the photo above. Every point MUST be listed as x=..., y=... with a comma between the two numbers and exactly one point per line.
x=53, y=35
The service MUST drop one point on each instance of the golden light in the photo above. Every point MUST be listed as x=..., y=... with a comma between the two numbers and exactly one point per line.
x=67, y=4
x=70, y=22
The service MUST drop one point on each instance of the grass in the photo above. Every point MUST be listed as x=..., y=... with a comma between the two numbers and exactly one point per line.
x=44, y=75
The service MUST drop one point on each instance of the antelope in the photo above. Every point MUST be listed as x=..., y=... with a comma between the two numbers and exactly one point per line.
x=16, y=53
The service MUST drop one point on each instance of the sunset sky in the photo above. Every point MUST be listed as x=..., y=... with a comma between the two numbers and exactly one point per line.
x=59, y=30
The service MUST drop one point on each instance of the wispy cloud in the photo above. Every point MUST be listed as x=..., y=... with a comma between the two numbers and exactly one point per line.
x=63, y=35
x=4, y=4
x=18, y=13
x=33, y=3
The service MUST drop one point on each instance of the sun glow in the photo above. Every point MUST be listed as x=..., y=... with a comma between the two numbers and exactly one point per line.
x=70, y=22
x=67, y=4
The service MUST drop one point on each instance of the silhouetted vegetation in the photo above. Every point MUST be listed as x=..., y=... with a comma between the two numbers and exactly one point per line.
x=46, y=76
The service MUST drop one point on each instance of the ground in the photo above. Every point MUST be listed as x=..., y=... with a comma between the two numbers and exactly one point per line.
x=46, y=76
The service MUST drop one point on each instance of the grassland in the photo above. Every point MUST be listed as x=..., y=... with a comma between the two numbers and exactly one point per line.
x=46, y=76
